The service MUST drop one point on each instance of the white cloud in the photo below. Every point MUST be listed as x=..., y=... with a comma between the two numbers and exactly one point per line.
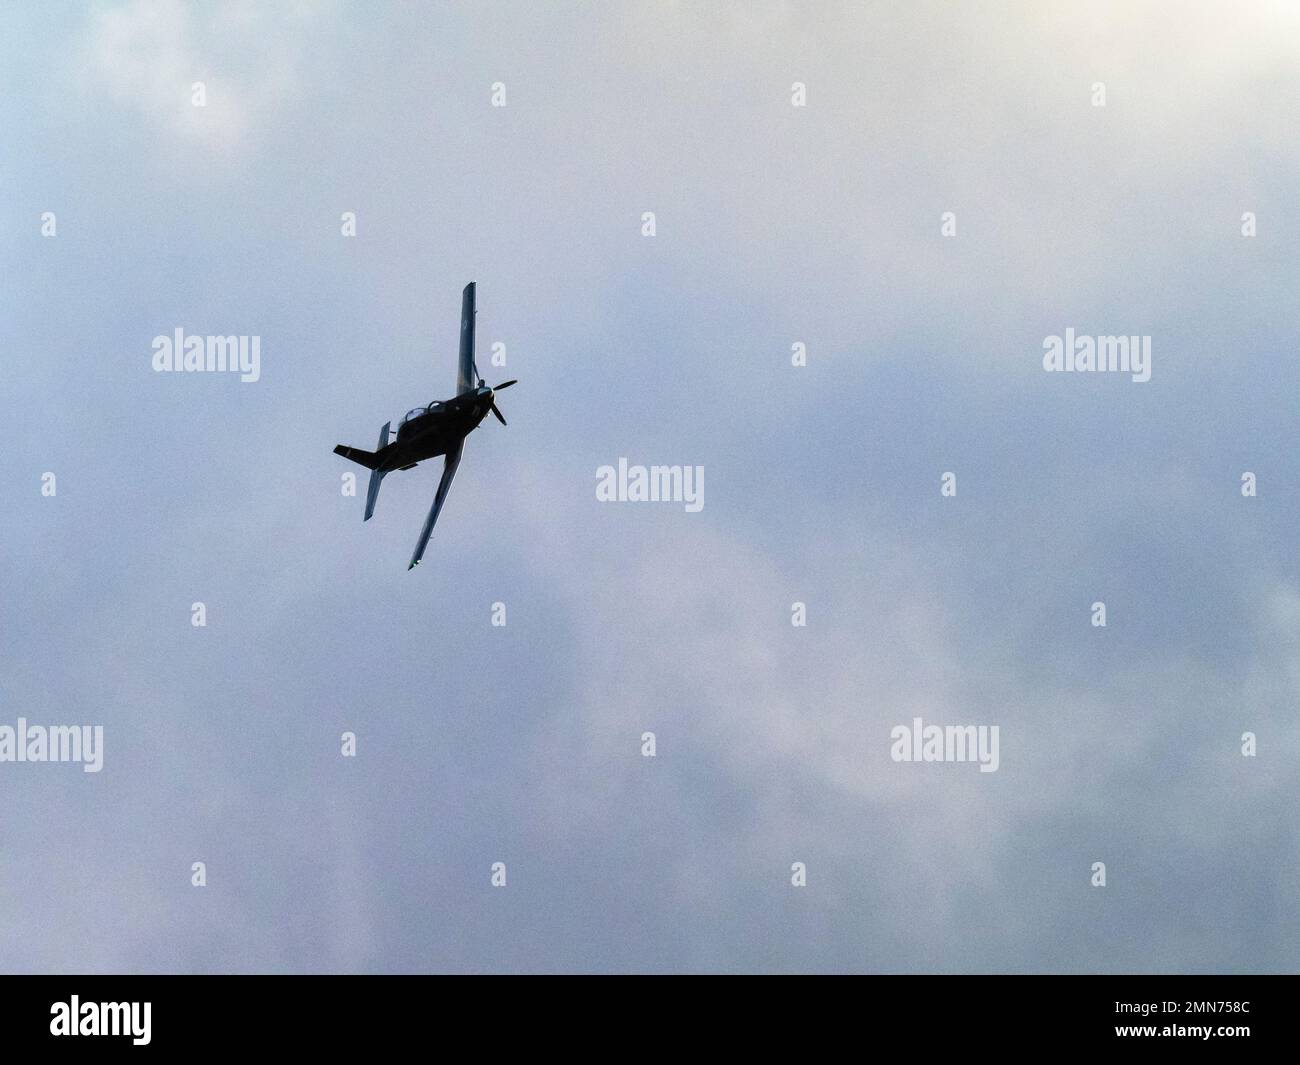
x=148, y=54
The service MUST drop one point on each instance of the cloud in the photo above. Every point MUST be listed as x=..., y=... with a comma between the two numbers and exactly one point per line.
x=148, y=54
x=522, y=744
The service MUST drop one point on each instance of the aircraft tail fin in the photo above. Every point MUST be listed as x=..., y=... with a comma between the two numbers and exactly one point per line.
x=370, y=460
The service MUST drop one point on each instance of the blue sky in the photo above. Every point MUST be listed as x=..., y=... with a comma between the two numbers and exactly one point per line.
x=521, y=744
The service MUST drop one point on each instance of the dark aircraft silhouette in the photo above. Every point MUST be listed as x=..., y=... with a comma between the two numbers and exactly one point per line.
x=438, y=429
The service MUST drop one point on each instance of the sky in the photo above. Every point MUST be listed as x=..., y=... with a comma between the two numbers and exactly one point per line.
x=774, y=225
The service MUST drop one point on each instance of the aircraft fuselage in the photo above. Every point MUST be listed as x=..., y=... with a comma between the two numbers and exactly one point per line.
x=437, y=430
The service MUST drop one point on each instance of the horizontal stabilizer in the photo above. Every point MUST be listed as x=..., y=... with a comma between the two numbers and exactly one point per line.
x=372, y=493
x=376, y=476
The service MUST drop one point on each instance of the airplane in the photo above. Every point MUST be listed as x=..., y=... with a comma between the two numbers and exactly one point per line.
x=438, y=429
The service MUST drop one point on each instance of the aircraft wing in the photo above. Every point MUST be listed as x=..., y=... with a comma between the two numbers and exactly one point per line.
x=465, y=381
x=448, y=472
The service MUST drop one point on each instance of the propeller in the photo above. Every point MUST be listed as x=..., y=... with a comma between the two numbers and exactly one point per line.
x=498, y=388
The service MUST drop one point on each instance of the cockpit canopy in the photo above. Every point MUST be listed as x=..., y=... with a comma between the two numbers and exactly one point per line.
x=433, y=407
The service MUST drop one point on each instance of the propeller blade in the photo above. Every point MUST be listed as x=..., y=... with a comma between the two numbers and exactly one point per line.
x=498, y=414
x=505, y=384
